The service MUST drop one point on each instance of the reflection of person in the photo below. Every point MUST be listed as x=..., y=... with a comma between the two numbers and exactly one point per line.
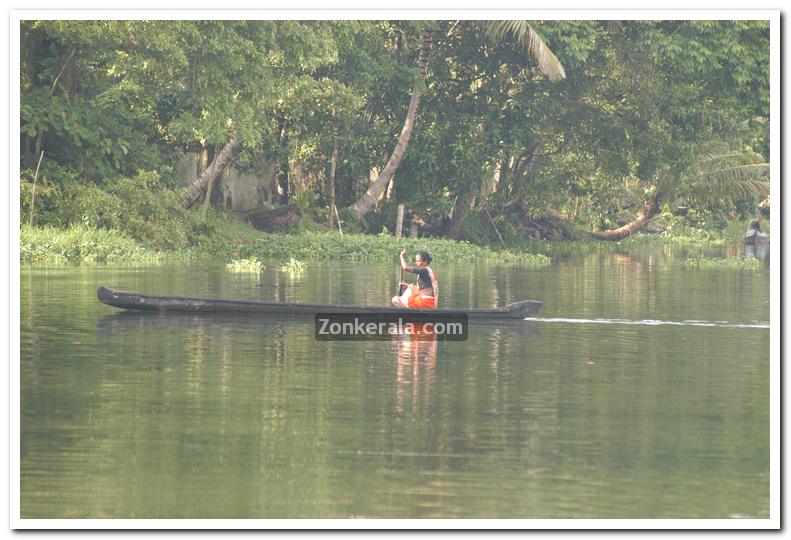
x=417, y=358
x=425, y=293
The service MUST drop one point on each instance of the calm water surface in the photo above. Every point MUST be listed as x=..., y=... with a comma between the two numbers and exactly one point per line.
x=592, y=409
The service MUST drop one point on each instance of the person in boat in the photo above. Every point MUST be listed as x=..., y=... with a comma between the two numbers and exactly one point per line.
x=423, y=294
x=754, y=230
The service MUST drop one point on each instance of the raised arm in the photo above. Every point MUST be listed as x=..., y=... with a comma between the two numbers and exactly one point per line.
x=404, y=265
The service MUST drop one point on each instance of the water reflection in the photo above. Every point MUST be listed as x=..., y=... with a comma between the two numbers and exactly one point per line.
x=149, y=415
x=758, y=250
x=416, y=356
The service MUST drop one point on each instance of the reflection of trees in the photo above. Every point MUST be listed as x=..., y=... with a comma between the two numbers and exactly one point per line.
x=646, y=284
x=211, y=417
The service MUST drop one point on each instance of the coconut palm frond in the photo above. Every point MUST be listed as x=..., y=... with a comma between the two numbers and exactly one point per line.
x=723, y=173
x=530, y=41
x=742, y=180
x=718, y=173
x=748, y=171
x=735, y=190
x=721, y=152
x=719, y=158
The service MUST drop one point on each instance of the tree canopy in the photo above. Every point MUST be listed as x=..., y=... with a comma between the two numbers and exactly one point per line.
x=576, y=117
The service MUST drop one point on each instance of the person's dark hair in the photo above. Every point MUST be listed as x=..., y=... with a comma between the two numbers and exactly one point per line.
x=424, y=256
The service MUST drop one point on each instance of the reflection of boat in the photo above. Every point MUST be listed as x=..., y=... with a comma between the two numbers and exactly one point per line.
x=122, y=322
x=127, y=300
x=754, y=236
x=758, y=250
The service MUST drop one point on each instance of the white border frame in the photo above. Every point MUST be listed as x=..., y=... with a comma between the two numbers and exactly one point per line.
x=773, y=522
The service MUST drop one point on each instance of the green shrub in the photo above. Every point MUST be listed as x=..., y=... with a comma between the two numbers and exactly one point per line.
x=90, y=206
x=137, y=206
x=80, y=244
x=47, y=197
x=155, y=216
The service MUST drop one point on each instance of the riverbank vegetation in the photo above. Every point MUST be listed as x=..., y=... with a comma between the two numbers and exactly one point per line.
x=81, y=244
x=503, y=140
x=719, y=263
x=241, y=247
x=87, y=244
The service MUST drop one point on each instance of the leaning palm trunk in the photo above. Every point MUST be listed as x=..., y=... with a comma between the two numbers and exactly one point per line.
x=364, y=204
x=212, y=172
x=719, y=173
x=649, y=210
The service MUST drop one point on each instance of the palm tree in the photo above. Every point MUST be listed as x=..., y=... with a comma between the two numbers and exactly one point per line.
x=364, y=204
x=718, y=173
x=529, y=40
x=497, y=31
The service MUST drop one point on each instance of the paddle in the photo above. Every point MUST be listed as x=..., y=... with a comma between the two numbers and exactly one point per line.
x=401, y=283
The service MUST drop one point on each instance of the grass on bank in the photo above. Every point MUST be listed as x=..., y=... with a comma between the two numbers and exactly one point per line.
x=140, y=220
x=80, y=244
x=225, y=237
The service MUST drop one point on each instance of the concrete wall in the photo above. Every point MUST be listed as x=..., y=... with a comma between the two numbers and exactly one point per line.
x=240, y=191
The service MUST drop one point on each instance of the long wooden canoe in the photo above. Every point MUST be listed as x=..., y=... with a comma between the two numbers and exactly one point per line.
x=128, y=300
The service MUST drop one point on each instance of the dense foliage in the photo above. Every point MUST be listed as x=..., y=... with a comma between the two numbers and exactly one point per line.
x=496, y=145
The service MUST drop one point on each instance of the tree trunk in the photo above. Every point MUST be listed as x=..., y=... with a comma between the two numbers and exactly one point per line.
x=282, y=183
x=459, y=213
x=533, y=163
x=280, y=193
x=207, y=198
x=489, y=179
x=365, y=203
x=649, y=210
x=456, y=222
x=526, y=166
x=388, y=192
x=497, y=174
x=333, y=164
x=33, y=194
x=221, y=160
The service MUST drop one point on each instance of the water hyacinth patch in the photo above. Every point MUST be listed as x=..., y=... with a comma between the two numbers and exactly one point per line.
x=294, y=266
x=723, y=263
x=251, y=265
x=361, y=247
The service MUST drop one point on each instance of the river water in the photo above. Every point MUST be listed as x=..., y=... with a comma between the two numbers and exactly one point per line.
x=639, y=390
